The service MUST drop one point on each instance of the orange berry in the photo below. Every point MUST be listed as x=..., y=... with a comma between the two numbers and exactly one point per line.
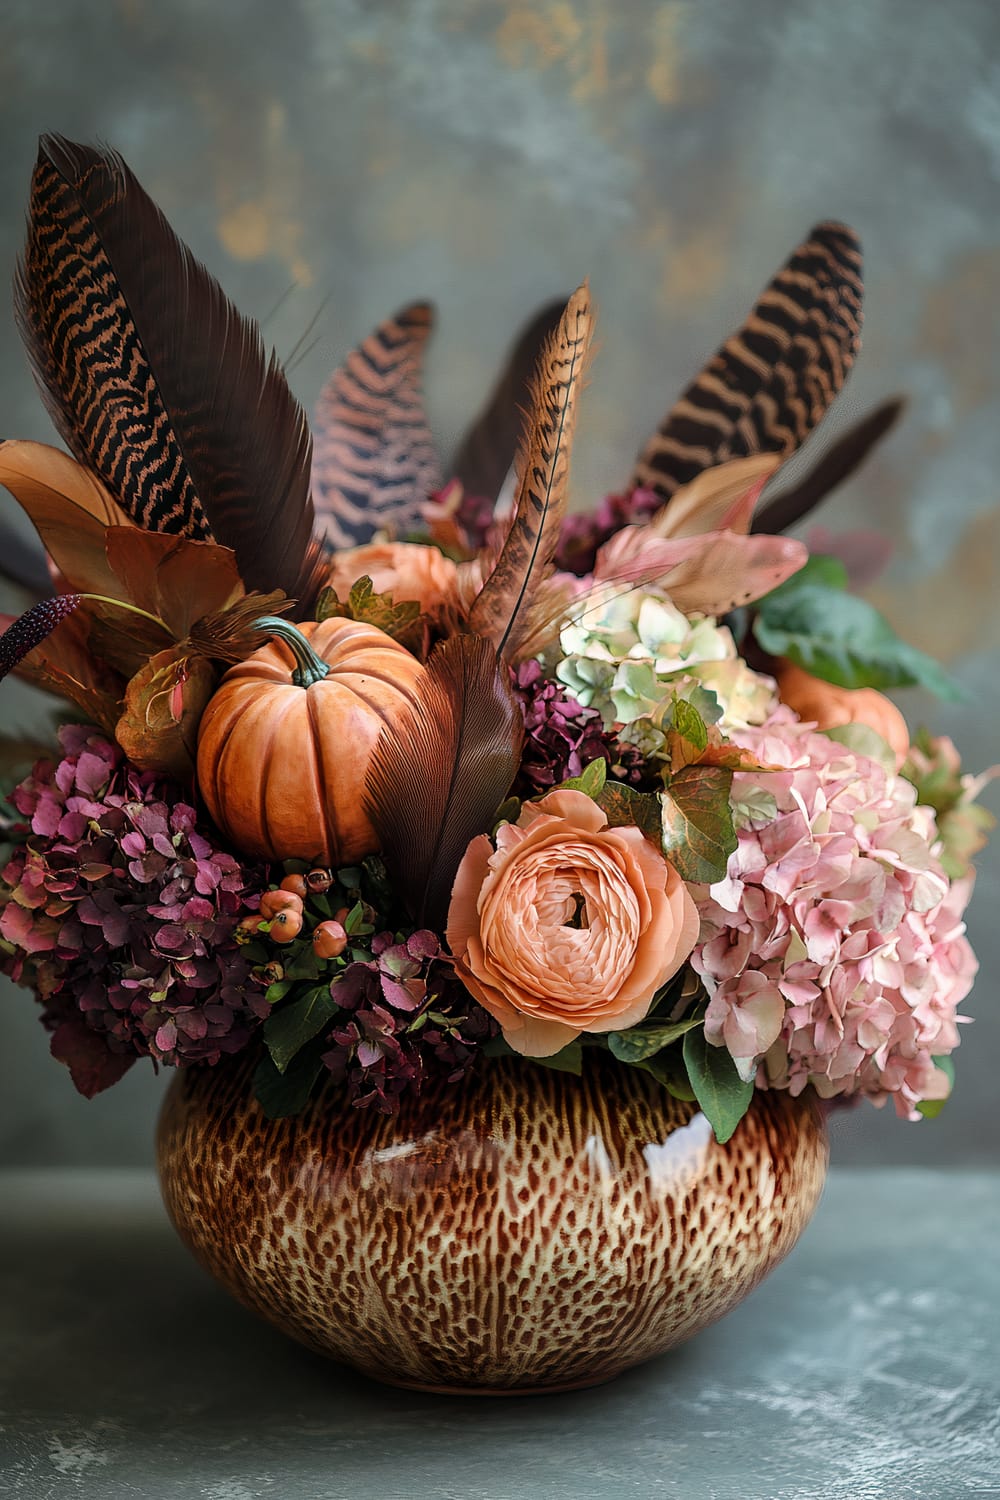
x=286, y=925
x=329, y=940
x=296, y=884
x=274, y=901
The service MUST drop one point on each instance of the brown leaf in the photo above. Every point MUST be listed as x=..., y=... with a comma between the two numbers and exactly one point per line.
x=177, y=579
x=70, y=510
x=164, y=702
x=65, y=664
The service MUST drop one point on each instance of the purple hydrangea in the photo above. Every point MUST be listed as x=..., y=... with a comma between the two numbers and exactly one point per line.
x=562, y=736
x=403, y=1015
x=581, y=535
x=119, y=910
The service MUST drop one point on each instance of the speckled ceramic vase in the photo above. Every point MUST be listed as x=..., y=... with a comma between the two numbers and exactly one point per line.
x=524, y=1230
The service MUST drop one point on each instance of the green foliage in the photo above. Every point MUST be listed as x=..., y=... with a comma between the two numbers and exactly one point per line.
x=814, y=622
x=642, y=1042
x=698, y=831
x=931, y=1108
x=401, y=621
x=720, y=1091
x=288, y=1029
x=625, y=807
x=283, y=1094
x=590, y=780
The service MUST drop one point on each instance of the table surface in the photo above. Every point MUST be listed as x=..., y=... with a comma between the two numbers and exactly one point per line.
x=866, y=1368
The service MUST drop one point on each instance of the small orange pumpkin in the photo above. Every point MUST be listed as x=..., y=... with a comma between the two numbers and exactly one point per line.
x=285, y=742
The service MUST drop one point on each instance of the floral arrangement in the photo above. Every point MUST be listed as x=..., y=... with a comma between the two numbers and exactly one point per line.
x=372, y=778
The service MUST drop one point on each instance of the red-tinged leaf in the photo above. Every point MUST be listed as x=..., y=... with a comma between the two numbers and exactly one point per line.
x=625, y=807
x=698, y=832
x=164, y=703
x=723, y=498
x=93, y=1067
x=708, y=574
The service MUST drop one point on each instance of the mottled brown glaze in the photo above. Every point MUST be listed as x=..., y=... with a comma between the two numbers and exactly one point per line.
x=522, y=1230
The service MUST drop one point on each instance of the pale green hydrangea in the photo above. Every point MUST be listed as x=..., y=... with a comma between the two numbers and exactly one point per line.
x=631, y=655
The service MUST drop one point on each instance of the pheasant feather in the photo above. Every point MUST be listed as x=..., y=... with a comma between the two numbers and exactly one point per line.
x=375, y=462
x=502, y=611
x=438, y=776
x=155, y=381
x=774, y=379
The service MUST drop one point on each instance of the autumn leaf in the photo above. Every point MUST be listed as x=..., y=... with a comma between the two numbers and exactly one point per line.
x=625, y=807
x=698, y=832
x=164, y=702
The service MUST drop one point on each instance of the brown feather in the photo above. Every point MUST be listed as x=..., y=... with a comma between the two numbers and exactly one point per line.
x=489, y=447
x=833, y=467
x=375, y=462
x=437, y=777
x=501, y=613
x=155, y=381
x=774, y=379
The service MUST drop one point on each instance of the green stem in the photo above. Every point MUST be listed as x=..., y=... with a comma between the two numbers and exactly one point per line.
x=309, y=667
x=133, y=609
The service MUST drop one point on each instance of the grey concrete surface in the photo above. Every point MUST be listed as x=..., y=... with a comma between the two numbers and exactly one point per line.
x=865, y=1368
x=489, y=156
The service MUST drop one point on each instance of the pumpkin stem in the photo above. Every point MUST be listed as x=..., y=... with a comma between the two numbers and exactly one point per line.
x=309, y=667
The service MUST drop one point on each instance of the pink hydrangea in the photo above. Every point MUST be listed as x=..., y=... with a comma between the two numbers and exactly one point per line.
x=834, y=949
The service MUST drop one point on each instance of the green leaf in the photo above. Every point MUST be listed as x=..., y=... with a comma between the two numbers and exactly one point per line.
x=844, y=640
x=278, y=990
x=669, y=1071
x=287, y=1031
x=497, y=1046
x=300, y=962
x=689, y=724
x=626, y=807
x=397, y=620
x=720, y=1091
x=931, y=1108
x=642, y=1042
x=568, y=1060
x=706, y=702
x=283, y=1094
x=864, y=741
x=698, y=832
x=590, y=780
x=507, y=812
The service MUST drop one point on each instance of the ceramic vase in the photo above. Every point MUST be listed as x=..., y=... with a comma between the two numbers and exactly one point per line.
x=522, y=1230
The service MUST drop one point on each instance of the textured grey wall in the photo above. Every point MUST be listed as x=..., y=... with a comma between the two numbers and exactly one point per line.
x=489, y=156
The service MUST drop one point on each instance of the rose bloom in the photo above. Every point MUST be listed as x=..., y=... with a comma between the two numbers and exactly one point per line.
x=568, y=925
x=829, y=707
x=405, y=570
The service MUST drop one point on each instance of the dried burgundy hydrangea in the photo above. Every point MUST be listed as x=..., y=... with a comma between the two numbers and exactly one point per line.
x=581, y=535
x=403, y=1015
x=120, y=913
x=562, y=737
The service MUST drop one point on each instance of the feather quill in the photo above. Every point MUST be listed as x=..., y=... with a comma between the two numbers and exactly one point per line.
x=375, y=461
x=438, y=776
x=489, y=447
x=774, y=379
x=155, y=381
x=502, y=611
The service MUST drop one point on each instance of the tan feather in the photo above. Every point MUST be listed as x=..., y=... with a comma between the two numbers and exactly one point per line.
x=501, y=613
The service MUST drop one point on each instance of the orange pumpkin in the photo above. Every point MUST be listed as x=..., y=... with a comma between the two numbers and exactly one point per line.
x=285, y=742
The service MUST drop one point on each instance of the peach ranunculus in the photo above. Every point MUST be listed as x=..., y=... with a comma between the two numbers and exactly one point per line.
x=406, y=570
x=829, y=707
x=568, y=925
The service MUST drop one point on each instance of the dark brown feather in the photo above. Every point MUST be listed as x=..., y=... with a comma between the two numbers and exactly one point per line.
x=773, y=380
x=488, y=449
x=501, y=612
x=375, y=461
x=833, y=467
x=154, y=379
x=437, y=777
